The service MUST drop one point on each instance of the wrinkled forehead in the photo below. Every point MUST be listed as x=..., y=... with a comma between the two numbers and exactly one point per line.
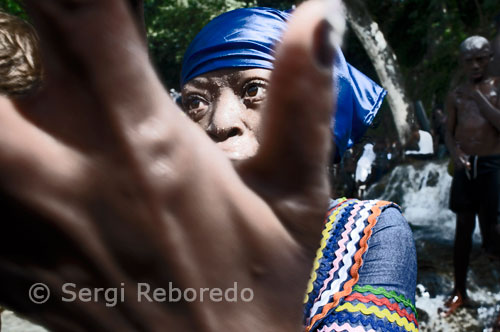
x=242, y=38
x=227, y=77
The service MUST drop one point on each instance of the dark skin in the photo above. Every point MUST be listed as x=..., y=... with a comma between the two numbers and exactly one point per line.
x=228, y=105
x=473, y=128
x=104, y=182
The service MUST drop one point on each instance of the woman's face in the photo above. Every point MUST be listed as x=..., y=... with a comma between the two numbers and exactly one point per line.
x=227, y=104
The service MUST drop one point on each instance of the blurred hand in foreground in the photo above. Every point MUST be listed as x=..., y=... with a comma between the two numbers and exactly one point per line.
x=106, y=184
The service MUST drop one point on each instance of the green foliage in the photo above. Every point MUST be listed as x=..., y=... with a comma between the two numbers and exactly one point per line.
x=13, y=7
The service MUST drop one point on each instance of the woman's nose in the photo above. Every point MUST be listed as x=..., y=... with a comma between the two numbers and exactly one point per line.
x=220, y=134
x=227, y=119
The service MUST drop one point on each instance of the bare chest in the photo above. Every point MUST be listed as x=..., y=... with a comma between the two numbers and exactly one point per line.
x=467, y=107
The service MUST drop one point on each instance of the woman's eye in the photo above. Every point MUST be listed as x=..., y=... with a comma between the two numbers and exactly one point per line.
x=256, y=91
x=194, y=105
x=253, y=91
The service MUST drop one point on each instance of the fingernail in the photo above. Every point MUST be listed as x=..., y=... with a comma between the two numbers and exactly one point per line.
x=324, y=49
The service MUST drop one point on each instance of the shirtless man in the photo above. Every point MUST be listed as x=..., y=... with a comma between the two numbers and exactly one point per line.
x=473, y=139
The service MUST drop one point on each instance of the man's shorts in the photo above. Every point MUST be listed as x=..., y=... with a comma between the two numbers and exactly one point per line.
x=478, y=189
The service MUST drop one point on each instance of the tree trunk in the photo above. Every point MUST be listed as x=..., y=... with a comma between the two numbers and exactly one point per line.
x=384, y=60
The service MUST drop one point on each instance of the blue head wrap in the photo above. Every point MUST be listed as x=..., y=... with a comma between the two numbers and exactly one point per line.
x=246, y=37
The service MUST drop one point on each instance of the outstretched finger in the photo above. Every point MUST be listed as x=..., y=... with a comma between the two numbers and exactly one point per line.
x=296, y=139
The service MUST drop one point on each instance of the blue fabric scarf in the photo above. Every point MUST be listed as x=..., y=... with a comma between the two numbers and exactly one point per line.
x=246, y=37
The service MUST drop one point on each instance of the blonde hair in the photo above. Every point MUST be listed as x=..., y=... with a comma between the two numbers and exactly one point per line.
x=20, y=63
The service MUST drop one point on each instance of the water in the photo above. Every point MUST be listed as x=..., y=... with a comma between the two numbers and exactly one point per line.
x=422, y=191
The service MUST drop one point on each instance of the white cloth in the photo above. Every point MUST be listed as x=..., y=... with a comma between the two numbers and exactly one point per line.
x=365, y=162
x=425, y=145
